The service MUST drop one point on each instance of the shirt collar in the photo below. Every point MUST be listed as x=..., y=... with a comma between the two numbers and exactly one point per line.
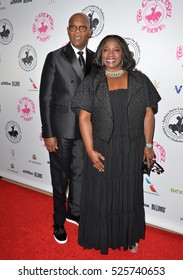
x=76, y=52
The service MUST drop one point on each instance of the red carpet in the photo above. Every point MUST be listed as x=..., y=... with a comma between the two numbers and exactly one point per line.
x=26, y=233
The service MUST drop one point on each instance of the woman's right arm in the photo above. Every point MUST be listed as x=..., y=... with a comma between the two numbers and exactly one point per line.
x=86, y=133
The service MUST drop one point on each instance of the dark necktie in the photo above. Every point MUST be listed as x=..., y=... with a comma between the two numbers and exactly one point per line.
x=81, y=60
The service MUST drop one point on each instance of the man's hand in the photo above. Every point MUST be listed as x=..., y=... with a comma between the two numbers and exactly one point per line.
x=51, y=144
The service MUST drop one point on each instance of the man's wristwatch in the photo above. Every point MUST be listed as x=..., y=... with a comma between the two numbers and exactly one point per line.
x=149, y=145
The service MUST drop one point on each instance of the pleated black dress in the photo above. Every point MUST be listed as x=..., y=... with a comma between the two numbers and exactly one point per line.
x=112, y=206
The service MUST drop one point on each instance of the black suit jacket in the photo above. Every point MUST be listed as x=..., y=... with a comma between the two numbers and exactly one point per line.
x=60, y=78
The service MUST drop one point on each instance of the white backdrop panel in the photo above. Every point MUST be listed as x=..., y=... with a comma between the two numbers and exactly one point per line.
x=29, y=29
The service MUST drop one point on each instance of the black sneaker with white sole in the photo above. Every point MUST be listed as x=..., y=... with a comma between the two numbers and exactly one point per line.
x=60, y=234
x=72, y=219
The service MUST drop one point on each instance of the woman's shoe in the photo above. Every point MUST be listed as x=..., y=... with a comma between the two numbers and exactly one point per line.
x=134, y=248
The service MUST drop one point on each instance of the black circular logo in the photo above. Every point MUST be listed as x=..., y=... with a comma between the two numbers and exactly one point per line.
x=134, y=49
x=96, y=17
x=6, y=31
x=27, y=58
x=13, y=132
x=173, y=125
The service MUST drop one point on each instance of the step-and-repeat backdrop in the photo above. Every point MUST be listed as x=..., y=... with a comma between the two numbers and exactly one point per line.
x=29, y=29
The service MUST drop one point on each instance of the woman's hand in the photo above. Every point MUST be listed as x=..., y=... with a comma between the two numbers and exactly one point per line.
x=149, y=156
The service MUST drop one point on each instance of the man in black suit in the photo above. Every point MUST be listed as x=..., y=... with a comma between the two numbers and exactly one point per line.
x=62, y=73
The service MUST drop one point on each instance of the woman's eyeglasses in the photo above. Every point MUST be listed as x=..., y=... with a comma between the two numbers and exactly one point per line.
x=74, y=28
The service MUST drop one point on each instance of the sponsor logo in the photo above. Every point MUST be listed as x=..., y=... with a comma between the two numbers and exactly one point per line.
x=147, y=205
x=33, y=160
x=5, y=83
x=173, y=125
x=176, y=191
x=27, y=58
x=178, y=89
x=97, y=19
x=158, y=208
x=43, y=26
x=12, y=169
x=38, y=175
x=179, y=54
x=153, y=14
x=134, y=49
x=34, y=157
x=6, y=32
x=26, y=108
x=34, y=86
x=20, y=1
x=13, y=132
x=151, y=187
x=13, y=83
x=35, y=174
x=16, y=1
x=28, y=172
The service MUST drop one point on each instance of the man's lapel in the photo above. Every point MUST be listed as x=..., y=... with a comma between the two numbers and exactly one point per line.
x=71, y=56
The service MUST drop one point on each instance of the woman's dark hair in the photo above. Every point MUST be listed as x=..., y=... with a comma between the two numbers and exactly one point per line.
x=129, y=62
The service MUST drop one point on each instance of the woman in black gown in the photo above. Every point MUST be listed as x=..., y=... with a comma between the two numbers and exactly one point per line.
x=116, y=107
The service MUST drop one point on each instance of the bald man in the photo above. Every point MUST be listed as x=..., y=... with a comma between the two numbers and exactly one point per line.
x=62, y=73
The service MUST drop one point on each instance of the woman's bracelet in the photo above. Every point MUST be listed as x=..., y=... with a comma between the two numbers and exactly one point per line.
x=149, y=145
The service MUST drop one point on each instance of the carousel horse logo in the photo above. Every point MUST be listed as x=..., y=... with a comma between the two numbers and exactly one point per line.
x=134, y=49
x=27, y=58
x=13, y=132
x=173, y=125
x=26, y=108
x=153, y=14
x=96, y=17
x=43, y=26
x=6, y=31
